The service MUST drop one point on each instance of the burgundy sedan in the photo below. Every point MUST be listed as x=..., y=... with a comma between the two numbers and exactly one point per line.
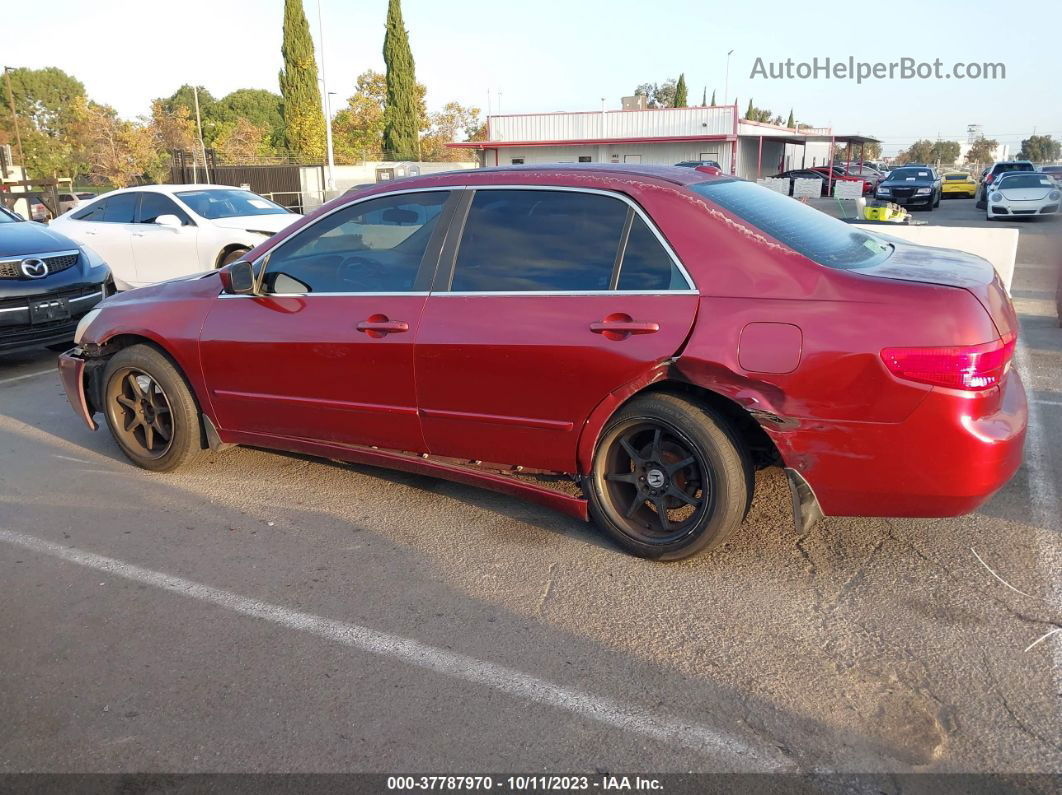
x=620, y=342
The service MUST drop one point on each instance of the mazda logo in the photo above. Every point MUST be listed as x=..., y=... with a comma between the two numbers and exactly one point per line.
x=34, y=268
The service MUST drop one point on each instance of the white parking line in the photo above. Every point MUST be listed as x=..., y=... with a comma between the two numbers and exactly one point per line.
x=24, y=377
x=506, y=680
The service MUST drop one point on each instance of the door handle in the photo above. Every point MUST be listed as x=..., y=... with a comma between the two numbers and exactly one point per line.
x=620, y=326
x=380, y=325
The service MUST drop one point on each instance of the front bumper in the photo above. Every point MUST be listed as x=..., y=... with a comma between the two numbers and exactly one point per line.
x=72, y=374
x=1023, y=209
x=907, y=201
x=18, y=330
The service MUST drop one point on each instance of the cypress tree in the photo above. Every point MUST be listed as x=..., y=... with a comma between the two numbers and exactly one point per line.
x=401, y=139
x=790, y=123
x=680, y=92
x=704, y=97
x=304, y=129
x=713, y=98
x=748, y=113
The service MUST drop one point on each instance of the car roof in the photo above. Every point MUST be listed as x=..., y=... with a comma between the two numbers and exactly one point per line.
x=679, y=175
x=168, y=189
x=656, y=175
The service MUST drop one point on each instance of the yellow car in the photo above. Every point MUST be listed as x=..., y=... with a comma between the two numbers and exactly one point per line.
x=958, y=183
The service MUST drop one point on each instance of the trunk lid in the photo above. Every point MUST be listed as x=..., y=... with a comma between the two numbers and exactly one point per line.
x=914, y=263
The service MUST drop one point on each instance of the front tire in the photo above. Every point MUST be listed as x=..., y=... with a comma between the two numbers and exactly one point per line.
x=150, y=410
x=232, y=256
x=669, y=479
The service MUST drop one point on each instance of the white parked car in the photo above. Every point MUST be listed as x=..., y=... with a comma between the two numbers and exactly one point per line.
x=1023, y=193
x=157, y=232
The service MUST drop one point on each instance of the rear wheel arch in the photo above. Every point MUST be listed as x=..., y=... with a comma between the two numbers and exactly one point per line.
x=224, y=254
x=761, y=448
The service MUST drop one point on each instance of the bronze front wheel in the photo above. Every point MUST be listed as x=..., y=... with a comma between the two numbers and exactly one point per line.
x=150, y=409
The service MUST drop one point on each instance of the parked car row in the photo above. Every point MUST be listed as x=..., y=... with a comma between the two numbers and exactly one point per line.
x=50, y=276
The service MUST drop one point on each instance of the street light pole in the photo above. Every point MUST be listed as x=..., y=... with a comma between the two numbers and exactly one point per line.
x=726, y=89
x=14, y=120
x=330, y=182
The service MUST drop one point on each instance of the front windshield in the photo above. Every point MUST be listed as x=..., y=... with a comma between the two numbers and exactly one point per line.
x=804, y=229
x=215, y=203
x=910, y=173
x=1020, y=180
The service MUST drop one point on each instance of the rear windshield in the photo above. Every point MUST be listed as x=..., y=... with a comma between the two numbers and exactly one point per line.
x=956, y=177
x=804, y=229
x=1000, y=168
x=1026, y=181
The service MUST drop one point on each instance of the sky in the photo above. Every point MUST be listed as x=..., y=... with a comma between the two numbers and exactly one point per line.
x=568, y=55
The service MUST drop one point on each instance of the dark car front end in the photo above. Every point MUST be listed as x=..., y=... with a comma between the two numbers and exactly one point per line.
x=909, y=187
x=47, y=284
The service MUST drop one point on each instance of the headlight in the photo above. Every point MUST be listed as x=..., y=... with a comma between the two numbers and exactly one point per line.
x=84, y=323
x=923, y=191
x=883, y=190
x=1054, y=195
x=996, y=197
x=93, y=259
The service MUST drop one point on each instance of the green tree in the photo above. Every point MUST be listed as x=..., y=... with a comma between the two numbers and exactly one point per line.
x=357, y=130
x=927, y=151
x=1040, y=149
x=790, y=122
x=402, y=117
x=454, y=121
x=758, y=114
x=262, y=108
x=304, y=126
x=704, y=97
x=659, y=95
x=49, y=104
x=750, y=113
x=713, y=98
x=981, y=151
x=870, y=151
x=681, y=100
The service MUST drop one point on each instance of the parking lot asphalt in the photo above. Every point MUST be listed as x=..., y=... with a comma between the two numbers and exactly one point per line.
x=273, y=612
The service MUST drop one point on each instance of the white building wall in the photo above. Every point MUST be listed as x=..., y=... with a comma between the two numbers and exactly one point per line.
x=662, y=123
x=663, y=154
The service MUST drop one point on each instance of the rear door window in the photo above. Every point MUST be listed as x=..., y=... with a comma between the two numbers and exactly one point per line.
x=539, y=241
x=94, y=212
x=646, y=264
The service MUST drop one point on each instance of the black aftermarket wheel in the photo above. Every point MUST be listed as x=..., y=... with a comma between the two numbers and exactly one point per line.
x=150, y=409
x=669, y=479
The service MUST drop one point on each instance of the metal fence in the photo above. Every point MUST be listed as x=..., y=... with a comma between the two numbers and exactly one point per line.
x=280, y=182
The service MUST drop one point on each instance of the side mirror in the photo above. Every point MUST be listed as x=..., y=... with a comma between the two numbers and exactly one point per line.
x=238, y=278
x=168, y=220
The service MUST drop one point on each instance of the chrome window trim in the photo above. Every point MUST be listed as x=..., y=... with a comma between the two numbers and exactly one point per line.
x=691, y=286
x=16, y=309
x=421, y=294
x=74, y=252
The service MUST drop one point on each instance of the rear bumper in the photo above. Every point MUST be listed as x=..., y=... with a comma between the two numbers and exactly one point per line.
x=72, y=374
x=946, y=459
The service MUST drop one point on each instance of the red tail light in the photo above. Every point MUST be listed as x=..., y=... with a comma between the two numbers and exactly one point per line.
x=989, y=178
x=970, y=367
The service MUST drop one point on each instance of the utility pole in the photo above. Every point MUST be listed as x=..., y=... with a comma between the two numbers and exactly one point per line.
x=726, y=84
x=199, y=127
x=330, y=182
x=14, y=120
